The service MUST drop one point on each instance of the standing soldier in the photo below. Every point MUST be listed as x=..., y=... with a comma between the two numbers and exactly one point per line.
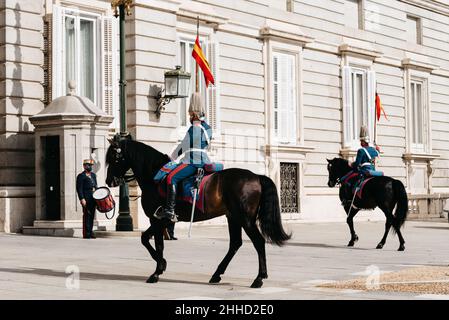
x=86, y=184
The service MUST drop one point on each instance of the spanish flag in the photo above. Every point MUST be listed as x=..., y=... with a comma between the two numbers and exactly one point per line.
x=198, y=55
x=379, y=108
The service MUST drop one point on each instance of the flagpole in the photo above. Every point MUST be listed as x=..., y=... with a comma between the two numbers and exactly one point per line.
x=375, y=118
x=197, y=84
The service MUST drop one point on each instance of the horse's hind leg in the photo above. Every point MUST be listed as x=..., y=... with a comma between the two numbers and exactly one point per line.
x=259, y=243
x=235, y=235
x=401, y=239
x=388, y=224
x=159, y=255
x=350, y=222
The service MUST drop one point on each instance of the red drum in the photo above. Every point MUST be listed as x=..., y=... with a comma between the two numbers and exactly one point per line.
x=105, y=200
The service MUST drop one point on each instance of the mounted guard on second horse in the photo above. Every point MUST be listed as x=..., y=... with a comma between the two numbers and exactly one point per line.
x=363, y=187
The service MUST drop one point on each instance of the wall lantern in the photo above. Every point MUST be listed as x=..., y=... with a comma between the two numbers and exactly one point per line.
x=177, y=85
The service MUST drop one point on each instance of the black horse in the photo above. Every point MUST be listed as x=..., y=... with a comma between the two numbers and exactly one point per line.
x=247, y=200
x=383, y=192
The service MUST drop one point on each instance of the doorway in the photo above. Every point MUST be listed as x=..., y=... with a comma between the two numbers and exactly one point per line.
x=52, y=178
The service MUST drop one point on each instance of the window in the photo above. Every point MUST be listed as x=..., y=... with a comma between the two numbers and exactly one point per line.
x=354, y=14
x=189, y=64
x=417, y=115
x=285, y=101
x=414, y=30
x=359, y=98
x=210, y=95
x=290, y=5
x=80, y=54
x=83, y=50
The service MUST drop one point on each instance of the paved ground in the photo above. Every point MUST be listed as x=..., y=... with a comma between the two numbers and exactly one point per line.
x=35, y=267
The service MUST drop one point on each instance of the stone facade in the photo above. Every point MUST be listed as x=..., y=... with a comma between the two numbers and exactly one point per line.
x=393, y=46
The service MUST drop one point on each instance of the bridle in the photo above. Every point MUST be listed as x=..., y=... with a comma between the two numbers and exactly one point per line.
x=127, y=177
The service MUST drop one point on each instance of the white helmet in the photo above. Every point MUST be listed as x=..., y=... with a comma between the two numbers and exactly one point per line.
x=196, y=105
x=364, y=136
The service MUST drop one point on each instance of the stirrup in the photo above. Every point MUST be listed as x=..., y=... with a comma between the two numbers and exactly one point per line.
x=160, y=214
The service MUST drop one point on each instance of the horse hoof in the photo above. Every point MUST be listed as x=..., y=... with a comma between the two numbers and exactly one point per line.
x=401, y=247
x=258, y=283
x=380, y=246
x=215, y=279
x=356, y=238
x=351, y=244
x=153, y=278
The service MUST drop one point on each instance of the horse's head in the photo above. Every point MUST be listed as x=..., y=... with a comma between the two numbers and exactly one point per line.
x=117, y=160
x=337, y=168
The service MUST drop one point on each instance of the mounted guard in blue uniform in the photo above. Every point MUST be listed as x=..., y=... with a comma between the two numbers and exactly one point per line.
x=365, y=162
x=192, y=152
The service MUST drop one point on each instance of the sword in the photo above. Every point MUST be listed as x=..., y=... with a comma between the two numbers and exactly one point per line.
x=199, y=177
x=193, y=211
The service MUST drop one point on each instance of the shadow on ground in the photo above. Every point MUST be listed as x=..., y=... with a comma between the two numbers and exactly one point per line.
x=94, y=276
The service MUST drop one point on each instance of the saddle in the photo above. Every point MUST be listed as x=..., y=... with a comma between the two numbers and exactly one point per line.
x=187, y=187
x=356, y=181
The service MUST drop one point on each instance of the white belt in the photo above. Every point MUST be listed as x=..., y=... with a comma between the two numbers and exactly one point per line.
x=189, y=150
x=366, y=164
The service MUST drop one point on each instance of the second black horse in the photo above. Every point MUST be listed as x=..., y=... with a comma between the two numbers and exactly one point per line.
x=383, y=192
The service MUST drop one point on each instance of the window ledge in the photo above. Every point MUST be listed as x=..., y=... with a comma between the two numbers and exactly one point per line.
x=420, y=156
x=347, y=153
x=288, y=148
x=419, y=65
x=283, y=31
x=354, y=50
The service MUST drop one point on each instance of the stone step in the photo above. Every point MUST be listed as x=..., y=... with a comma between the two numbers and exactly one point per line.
x=118, y=234
x=53, y=232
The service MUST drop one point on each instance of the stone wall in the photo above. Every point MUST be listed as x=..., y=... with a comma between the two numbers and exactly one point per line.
x=21, y=95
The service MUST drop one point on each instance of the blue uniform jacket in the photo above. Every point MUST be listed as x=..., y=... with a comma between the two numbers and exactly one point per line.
x=85, y=186
x=196, y=139
x=362, y=159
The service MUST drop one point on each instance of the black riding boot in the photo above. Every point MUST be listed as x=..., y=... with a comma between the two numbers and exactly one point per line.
x=169, y=209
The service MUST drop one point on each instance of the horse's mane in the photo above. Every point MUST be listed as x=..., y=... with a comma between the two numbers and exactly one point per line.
x=343, y=161
x=146, y=159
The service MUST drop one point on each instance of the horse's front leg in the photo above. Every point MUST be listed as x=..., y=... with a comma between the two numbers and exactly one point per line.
x=145, y=240
x=350, y=222
x=159, y=254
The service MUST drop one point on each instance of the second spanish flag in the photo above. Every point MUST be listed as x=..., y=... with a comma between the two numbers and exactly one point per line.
x=379, y=108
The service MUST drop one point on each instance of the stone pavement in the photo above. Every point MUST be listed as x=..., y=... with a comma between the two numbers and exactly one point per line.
x=33, y=267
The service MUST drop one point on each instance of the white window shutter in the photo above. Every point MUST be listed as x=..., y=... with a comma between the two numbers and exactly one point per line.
x=347, y=105
x=371, y=103
x=213, y=92
x=291, y=99
x=276, y=94
x=283, y=99
x=109, y=67
x=287, y=99
x=285, y=104
x=57, y=76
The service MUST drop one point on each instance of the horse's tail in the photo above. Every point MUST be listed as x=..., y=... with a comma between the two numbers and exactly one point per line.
x=270, y=213
x=402, y=205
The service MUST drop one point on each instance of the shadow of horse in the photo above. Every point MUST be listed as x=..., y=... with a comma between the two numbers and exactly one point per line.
x=95, y=276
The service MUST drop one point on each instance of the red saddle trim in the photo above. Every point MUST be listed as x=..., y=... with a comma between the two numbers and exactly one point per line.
x=180, y=196
x=350, y=177
x=359, y=192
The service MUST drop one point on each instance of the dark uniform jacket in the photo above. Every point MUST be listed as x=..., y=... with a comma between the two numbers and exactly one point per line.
x=85, y=186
